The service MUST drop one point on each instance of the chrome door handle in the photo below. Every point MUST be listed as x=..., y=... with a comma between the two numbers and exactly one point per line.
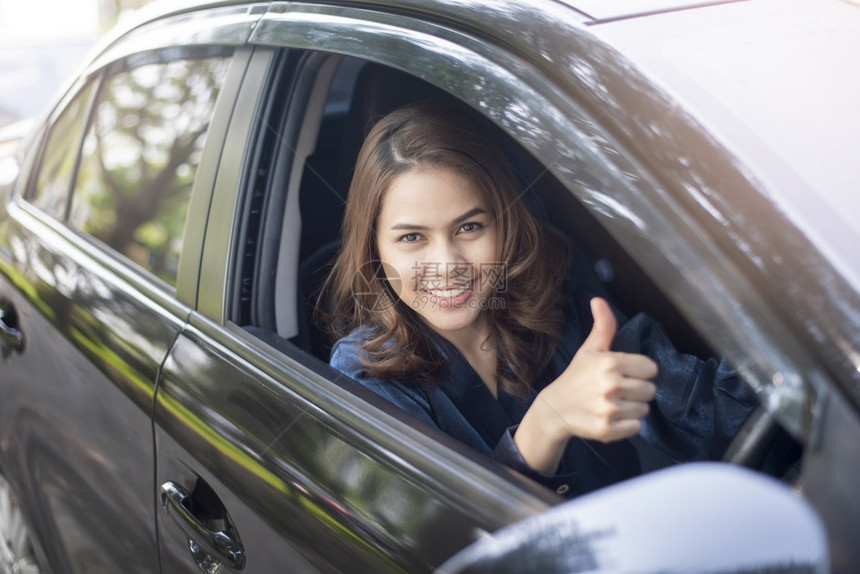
x=221, y=545
x=11, y=339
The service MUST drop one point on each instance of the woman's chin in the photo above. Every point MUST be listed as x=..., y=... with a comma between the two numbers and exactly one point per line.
x=449, y=320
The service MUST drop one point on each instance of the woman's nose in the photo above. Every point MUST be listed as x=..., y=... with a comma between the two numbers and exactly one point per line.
x=444, y=261
x=442, y=253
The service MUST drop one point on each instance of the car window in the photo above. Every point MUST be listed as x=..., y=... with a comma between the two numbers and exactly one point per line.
x=140, y=156
x=55, y=175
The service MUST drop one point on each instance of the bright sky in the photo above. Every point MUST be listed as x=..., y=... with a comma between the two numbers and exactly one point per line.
x=41, y=44
x=54, y=19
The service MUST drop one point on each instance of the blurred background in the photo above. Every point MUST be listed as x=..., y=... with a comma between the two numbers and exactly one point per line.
x=43, y=43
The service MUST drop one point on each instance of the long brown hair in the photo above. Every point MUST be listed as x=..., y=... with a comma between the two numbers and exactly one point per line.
x=528, y=323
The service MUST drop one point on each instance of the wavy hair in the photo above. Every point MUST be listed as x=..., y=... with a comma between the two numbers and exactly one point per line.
x=396, y=345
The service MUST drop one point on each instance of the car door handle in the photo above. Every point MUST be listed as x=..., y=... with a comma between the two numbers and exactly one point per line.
x=11, y=339
x=221, y=545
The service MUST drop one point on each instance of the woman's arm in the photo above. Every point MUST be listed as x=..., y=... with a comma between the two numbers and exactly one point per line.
x=602, y=395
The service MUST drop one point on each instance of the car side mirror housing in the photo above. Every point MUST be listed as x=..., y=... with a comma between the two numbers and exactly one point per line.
x=701, y=517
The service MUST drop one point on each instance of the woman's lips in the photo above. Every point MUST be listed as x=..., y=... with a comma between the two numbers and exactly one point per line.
x=450, y=296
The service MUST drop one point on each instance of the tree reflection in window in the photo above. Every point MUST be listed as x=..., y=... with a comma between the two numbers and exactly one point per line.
x=140, y=157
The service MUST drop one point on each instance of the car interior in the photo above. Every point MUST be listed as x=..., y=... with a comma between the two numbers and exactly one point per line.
x=302, y=171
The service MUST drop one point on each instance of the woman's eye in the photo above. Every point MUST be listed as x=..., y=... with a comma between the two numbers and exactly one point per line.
x=470, y=227
x=409, y=238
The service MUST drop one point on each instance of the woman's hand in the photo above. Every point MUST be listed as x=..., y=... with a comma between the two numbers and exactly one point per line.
x=601, y=395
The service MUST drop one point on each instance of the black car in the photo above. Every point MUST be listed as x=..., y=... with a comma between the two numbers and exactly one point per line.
x=166, y=403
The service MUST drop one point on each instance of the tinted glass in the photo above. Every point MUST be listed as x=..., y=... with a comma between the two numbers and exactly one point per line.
x=58, y=163
x=140, y=157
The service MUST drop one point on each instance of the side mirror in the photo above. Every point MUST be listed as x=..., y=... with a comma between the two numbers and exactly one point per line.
x=703, y=517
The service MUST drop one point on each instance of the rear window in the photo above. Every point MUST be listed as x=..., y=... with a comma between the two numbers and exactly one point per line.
x=140, y=157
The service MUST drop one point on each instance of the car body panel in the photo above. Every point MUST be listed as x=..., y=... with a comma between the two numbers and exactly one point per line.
x=77, y=398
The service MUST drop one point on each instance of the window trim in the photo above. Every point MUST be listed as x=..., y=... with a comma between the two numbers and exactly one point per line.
x=199, y=207
x=208, y=283
x=217, y=26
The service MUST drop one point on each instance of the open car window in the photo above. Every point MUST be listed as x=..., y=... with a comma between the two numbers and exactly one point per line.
x=311, y=155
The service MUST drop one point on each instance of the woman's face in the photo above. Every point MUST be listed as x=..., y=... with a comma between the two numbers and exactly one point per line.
x=437, y=239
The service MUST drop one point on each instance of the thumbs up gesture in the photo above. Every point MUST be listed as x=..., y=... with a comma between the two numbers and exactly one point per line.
x=602, y=395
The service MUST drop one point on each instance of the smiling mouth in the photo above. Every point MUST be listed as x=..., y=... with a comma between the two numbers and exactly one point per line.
x=450, y=292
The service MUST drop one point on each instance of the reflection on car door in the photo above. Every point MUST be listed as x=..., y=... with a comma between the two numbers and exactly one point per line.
x=75, y=403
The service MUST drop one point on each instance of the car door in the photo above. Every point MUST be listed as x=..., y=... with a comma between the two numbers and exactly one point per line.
x=91, y=245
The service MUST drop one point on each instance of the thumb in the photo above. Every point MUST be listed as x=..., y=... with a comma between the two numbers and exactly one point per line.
x=603, y=331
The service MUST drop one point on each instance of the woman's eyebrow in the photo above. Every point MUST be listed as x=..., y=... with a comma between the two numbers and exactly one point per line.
x=408, y=227
x=471, y=213
x=411, y=226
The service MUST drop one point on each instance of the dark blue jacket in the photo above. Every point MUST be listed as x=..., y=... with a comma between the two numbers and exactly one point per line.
x=698, y=409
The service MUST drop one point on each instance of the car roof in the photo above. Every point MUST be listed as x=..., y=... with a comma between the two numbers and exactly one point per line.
x=774, y=81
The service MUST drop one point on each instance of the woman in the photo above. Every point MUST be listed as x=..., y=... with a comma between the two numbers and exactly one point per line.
x=455, y=307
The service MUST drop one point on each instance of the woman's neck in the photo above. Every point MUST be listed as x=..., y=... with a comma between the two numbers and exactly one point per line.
x=478, y=347
x=471, y=340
